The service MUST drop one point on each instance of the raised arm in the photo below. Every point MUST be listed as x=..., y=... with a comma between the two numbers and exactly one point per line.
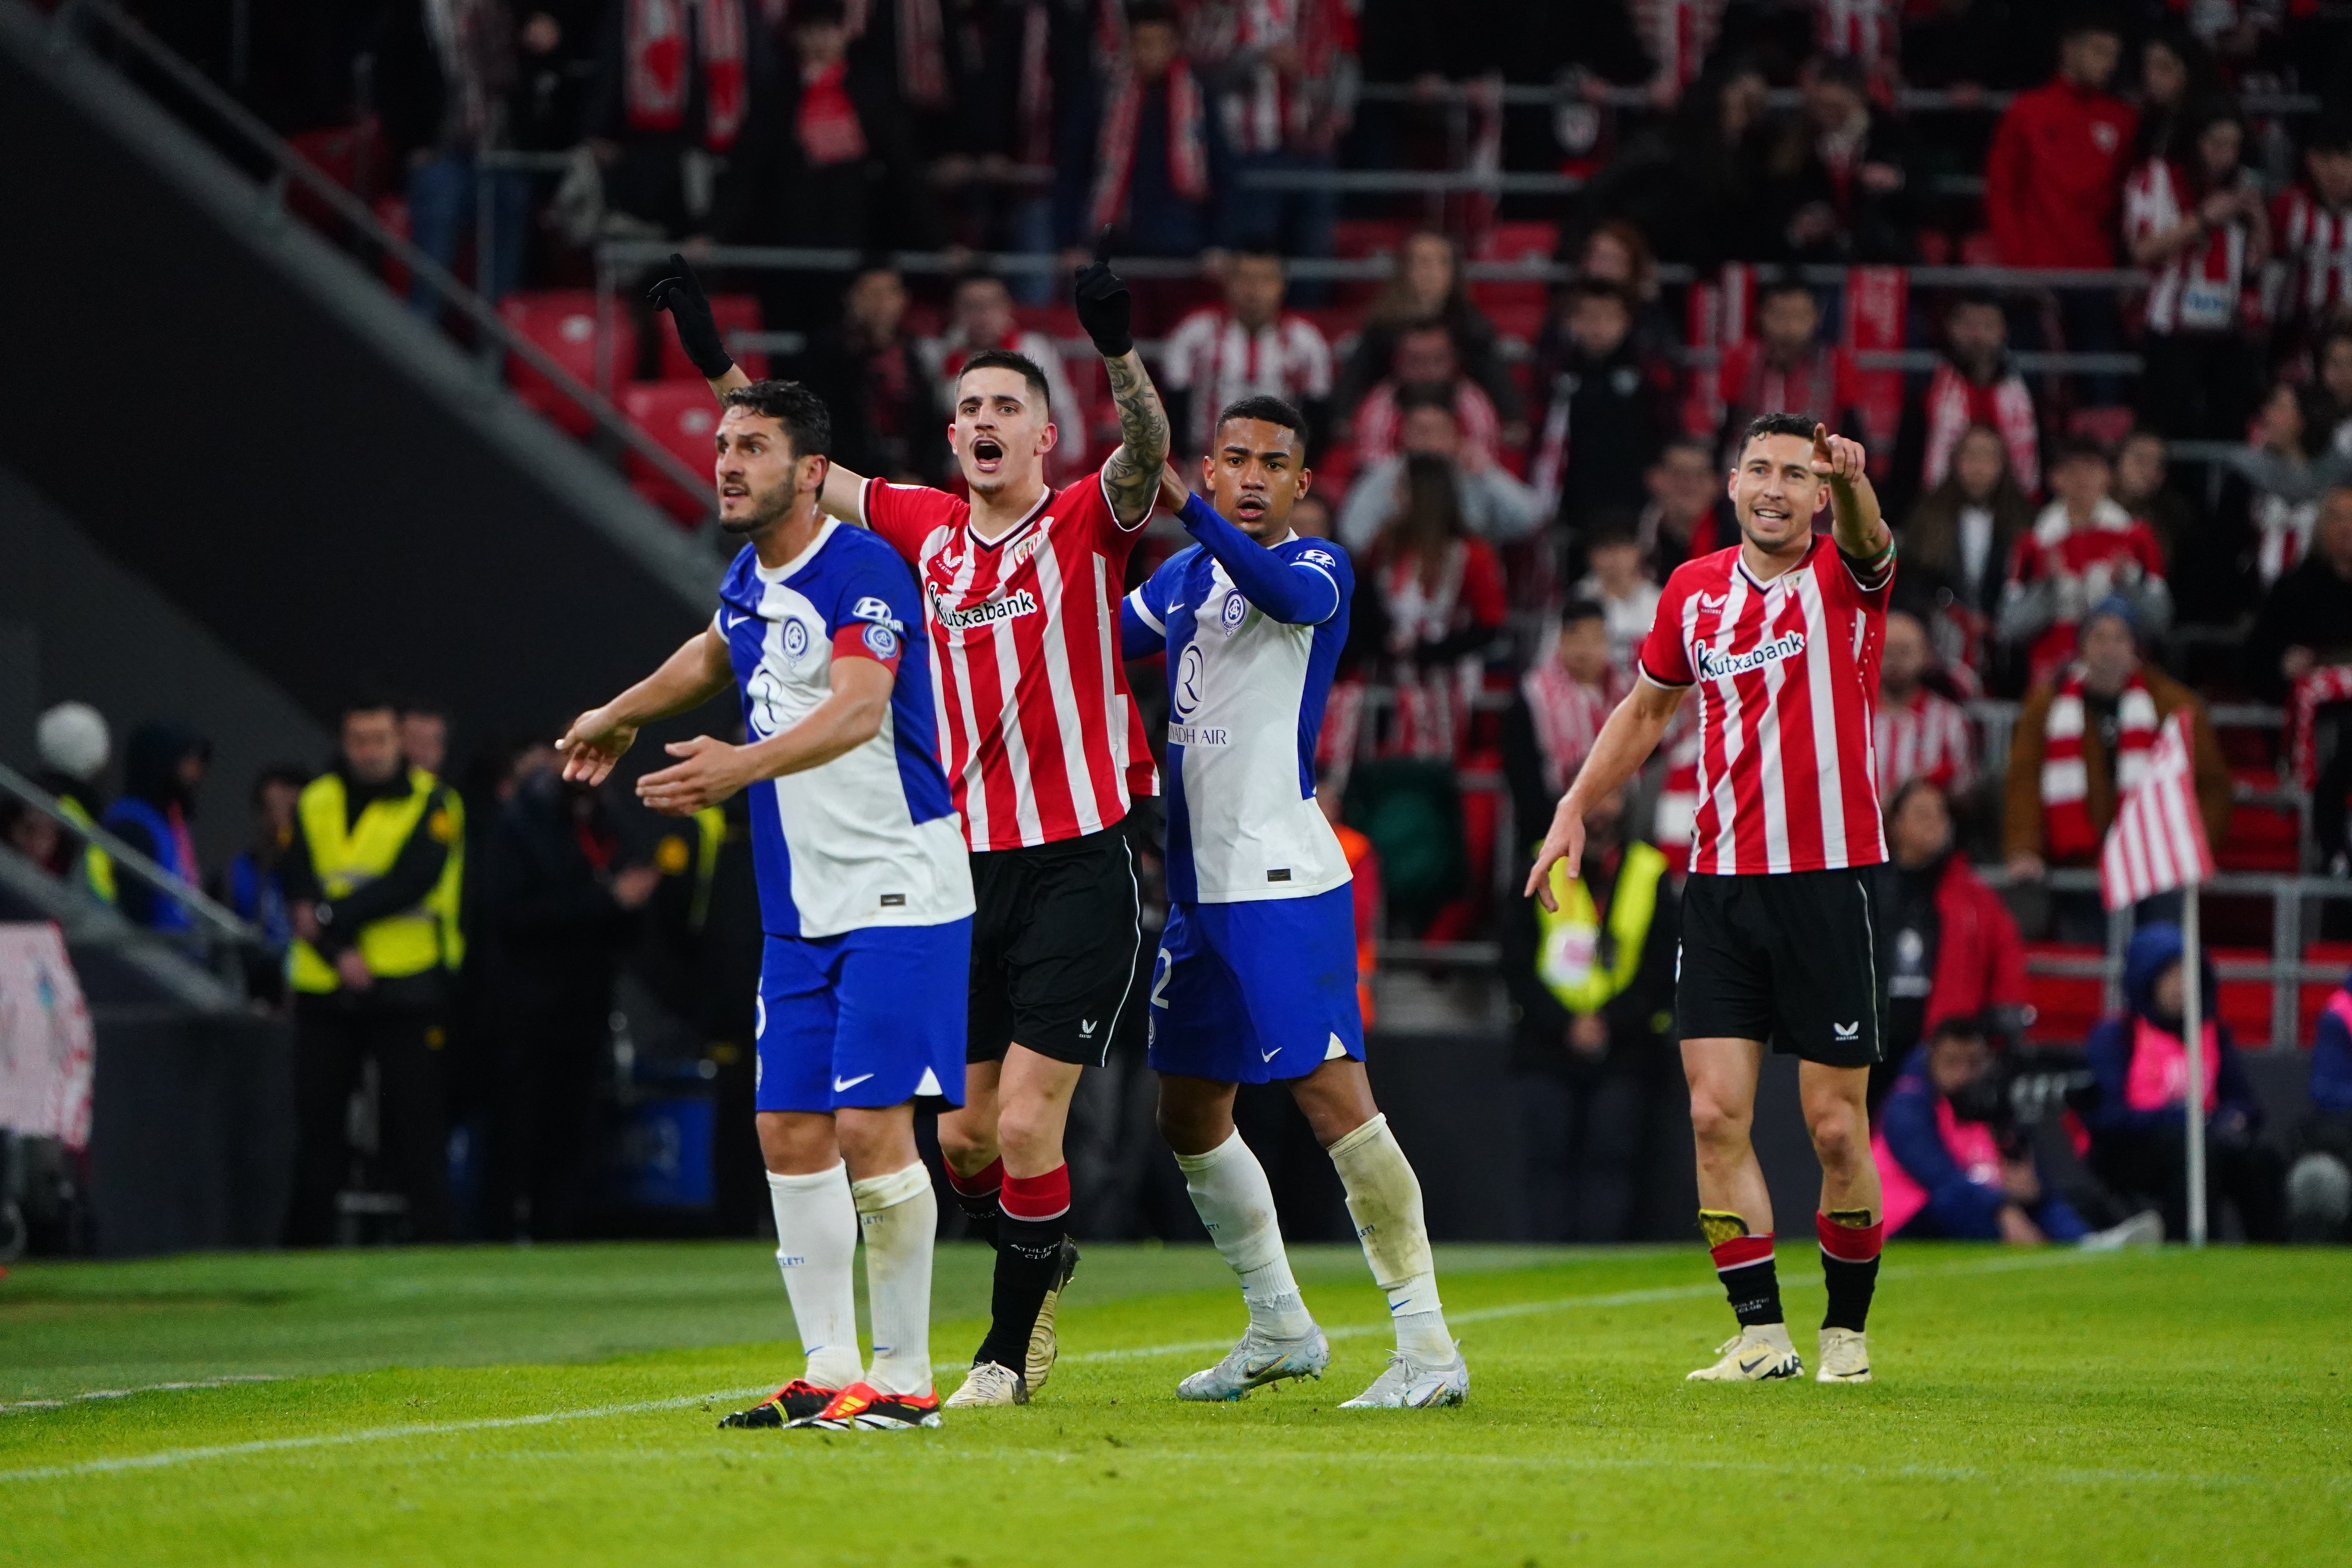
x=1624, y=743
x=1131, y=476
x=1296, y=593
x=699, y=671
x=707, y=770
x=680, y=292
x=1854, y=520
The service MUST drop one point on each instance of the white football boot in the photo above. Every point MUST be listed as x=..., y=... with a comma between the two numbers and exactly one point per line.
x=989, y=1384
x=1845, y=1357
x=1753, y=1355
x=1258, y=1360
x=1408, y=1383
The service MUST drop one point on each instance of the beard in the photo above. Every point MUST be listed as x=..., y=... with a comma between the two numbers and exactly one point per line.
x=767, y=506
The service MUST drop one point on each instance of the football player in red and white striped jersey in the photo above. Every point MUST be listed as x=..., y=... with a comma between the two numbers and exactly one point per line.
x=1781, y=636
x=1043, y=748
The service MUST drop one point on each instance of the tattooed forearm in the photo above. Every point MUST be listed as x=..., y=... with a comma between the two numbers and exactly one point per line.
x=1131, y=476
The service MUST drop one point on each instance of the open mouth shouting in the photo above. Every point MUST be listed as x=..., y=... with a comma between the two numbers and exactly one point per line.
x=987, y=454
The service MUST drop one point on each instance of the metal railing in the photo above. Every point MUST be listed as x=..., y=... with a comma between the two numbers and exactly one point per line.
x=1908, y=99
x=292, y=169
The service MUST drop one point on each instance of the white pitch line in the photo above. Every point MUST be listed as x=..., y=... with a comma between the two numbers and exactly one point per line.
x=170, y=1456
x=225, y=1381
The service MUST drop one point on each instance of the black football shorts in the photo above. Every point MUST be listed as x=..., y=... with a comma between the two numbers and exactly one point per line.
x=1789, y=959
x=1054, y=942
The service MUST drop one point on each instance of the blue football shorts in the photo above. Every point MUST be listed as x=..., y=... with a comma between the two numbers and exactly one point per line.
x=869, y=1018
x=1260, y=992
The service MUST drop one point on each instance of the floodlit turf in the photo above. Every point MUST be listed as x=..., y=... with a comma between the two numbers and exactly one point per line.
x=558, y=1406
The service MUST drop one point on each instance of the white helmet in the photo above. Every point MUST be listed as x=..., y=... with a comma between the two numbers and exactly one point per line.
x=72, y=738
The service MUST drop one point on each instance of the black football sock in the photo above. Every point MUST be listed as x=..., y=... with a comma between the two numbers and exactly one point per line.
x=1850, y=1248
x=1744, y=1264
x=1036, y=1212
x=976, y=1195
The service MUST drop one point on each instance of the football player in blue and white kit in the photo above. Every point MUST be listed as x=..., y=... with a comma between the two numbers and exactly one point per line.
x=864, y=896
x=1256, y=978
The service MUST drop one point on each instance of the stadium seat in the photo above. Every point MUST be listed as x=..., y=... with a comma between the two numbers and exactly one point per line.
x=733, y=314
x=2312, y=997
x=2245, y=1005
x=2261, y=837
x=680, y=415
x=2066, y=1006
x=1352, y=239
x=562, y=323
x=1520, y=302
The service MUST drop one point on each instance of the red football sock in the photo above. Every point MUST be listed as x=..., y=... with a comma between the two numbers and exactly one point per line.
x=1036, y=1199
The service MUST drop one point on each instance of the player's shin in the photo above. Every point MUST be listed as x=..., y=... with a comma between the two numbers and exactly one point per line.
x=817, y=1240
x=1236, y=1201
x=976, y=1195
x=899, y=1216
x=1851, y=1239
x=1744, y=1263
x=1028, y=1262
x=1384, y=1199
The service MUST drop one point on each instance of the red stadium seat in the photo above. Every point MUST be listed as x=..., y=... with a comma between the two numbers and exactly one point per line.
x=2261, y=838
x=1520, y=302
x=2313, y=997
x=2245, y=1005
x=681, y=415
x=562, y=323
x=734, y=313
x=2066, y=1006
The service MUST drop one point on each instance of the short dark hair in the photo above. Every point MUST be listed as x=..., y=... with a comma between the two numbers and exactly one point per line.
x=1774, y=284
x=1970, y=299
x=420, y=707
x=1425, y=394
x=1959, y=1026
x=2087, y=447
x=2332, y=135
x=369, y=699
x=1841, y=71
x=286, y=773
x=1267, y=409
x=1579, y=610
x=1005, y=359
x=1611, y=525
x=802, y=413
x=1585, y=289
x=1781, y=424
x=1911, y=786
x=818, y=14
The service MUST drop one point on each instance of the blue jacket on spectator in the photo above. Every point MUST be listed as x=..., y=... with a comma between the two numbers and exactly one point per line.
x=1958, y=1206
x=2108, y=1052
x=2331, y=1054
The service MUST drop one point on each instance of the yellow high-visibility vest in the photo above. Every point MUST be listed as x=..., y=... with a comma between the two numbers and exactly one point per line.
x=345, y=860
x=447, y=901
x=1568, y=942
x=97, y=865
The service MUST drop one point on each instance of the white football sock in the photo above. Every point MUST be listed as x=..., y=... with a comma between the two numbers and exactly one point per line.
x=1234, y=1200
x=1384, y=1196
x=817, y=1237
x=899, y=1216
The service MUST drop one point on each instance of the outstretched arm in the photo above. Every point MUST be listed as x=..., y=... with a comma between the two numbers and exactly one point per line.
x=1624, y=743
x=1296, y=593
x=680, y=292
x=699, y=671
x=1131, y=476
x=1854, y=520
x=708, y=770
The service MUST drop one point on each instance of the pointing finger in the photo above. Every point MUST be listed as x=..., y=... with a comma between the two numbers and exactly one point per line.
x=1102, y=247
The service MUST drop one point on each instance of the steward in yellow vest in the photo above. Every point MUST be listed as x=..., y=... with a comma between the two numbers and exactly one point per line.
x=371, y=881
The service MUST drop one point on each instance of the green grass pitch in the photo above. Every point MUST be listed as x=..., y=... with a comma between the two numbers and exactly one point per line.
x=558, y=1406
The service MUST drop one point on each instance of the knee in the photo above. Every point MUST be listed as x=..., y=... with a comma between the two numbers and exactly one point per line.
x=963, y=1146
x=1715, y=1124
x=1027, y=1131
x=1838, y=1130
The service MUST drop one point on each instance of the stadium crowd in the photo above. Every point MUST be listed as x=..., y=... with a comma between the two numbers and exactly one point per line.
x=2116, y=496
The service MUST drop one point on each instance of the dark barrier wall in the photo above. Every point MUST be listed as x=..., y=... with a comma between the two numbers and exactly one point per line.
x=191, y=1132
x=181, y=381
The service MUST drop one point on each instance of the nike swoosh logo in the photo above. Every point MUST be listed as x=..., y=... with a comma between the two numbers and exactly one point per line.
x=841, y=1085
x=1747, y=1367
x=1269, y=1055
x=731, y=622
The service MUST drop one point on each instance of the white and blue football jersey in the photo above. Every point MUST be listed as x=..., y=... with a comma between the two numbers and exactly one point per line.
x=869, y=838
x=1246, y=691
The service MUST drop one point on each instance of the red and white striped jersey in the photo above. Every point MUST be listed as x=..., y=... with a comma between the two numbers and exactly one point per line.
x=2316, y=244
x=1787, y=674
x=1927, y=737
x=1041, y=740
x=1219, y=361
x=1868, y=31
x=2198, y=288
x=1678, y=35
x=1378, y=422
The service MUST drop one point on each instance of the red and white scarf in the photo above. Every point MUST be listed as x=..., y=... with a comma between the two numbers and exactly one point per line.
x=2317, y=688
x=1954, y=403
x=2066, y=829
x=654, y=82
x=1188, y=147
x=1567, y=716
x=921, y=38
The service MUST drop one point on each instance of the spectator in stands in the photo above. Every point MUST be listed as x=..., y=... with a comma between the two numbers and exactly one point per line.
x=828, y=161
x=2331, y=359
x=562, y=896
x=670, y=100
x=2301, y=652
x=2081, y=549
x=2055, y=171
x=1496, y=505
x=1628, y=597
x=34, y=836
x=2143, y=486
x=1608, y=407
x=554, y=59
x=424, y=736
x=1948, y=947
x=1441, y=596
x=71, y=743
x=1427, y=358
x=1787, y=365
x=2320, y=1184
x=1286, y=96
x=2136, y=1120
x=254, y=886
x=1158, y=146
x=1619, y=255
x=1975, y=384
x=1956, y=546
x=1563, y=700
x=2199, y=228
x=1690, y=184
x=887, y=412
x=1427, y=287
x=2312, y=224
x=1247, y=347
x=2081, y=740
x=1312, y=521
x=2287, y=468
x=1918, y=733
x=982, y=318
x=2177, y=78
x=1688, y=514
x=1836, y=182
x=1592, y=988
x=442, y=76
x=1952, y=1165
x=162, y=768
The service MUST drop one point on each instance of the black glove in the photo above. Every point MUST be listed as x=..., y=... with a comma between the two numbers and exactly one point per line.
x=680, y=292
x=1103, y=304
